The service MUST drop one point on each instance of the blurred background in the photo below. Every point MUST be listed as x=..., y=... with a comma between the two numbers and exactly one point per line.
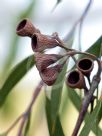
x=13, y=49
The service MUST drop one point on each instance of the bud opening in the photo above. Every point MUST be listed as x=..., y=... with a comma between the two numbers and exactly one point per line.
x=34, y=42
x=85, y=65
x=75, y=79
x=21, y=25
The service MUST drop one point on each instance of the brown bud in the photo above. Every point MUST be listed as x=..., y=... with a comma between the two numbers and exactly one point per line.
x=49, y=75
x=45, y=60
x=75, y=79
x=85, y=65
x=41, y=42
x=26, y=28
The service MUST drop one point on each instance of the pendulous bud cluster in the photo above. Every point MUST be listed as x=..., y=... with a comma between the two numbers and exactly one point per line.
x=45, y=63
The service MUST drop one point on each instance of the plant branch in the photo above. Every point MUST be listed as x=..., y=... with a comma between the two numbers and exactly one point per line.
x=26, y=114
x=80, y=20
x=88, y=97
x=85, y=105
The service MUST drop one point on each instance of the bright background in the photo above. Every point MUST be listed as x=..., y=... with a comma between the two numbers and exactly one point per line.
x=13, y=50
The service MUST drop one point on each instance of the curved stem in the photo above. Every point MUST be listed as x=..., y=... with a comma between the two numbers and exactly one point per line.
x=14, y=124
x=25, y=115
x=27, y=112
x=89, y=95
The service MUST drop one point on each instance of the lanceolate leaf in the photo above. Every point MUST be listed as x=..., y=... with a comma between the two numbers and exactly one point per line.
x=48, y=115
x=58, y=128
x=15, y=76
x=96, y=47
x=56, y=94
x=53, y=130
x=15, y=39
x=76, y=100
x=52, y=106
x=91, y=120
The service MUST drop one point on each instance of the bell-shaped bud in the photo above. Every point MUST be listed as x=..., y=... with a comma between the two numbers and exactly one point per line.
x=26, y=28
x=49, y=75
x=45, y=60
x=41, y=42
x=75, y=79
x=85, y=65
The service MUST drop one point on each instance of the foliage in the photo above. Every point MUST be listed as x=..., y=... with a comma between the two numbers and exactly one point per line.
x=52, y=106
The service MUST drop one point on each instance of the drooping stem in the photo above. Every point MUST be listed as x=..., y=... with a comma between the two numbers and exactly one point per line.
x=14, y=124
x=88, y=97
x=85, y=105
x=25, y=117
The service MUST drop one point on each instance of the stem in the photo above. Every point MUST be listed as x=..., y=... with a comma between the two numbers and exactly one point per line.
x=85, y=105
x=88, y=97
x=14, y=124
x=27, y=112
x=24, y=116
x=78, y=21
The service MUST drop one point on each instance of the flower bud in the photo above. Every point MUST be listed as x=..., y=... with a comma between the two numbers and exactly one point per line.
x=41, y=42
x=49, y=75
x=75, y=79
x=45, y=60
x=26, y=28
x=85, y=65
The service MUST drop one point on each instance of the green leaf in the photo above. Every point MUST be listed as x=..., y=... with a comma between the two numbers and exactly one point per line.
x=15, y=76
x=96, y=47
x=76, y=100
x=56, y=93
x=53, y=130
x=58, y=131
x=15, y=39
x=27, y=125
x=48, y=115
x=91, y=120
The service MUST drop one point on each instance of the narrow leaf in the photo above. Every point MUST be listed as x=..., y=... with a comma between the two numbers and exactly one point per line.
x=56, y=93
x=96, y=47
x=53, y=130
x=58, y=128
x=15, y=76
x=15, y=39
x=48, y=115
x=91, y=120
x=76, y=100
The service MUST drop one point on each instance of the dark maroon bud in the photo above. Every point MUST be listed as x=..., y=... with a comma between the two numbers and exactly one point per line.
x=41, y=42
x=45, y=60
x=26, y=28
x=49, y=75
x=85, y=65
x=75, y=79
